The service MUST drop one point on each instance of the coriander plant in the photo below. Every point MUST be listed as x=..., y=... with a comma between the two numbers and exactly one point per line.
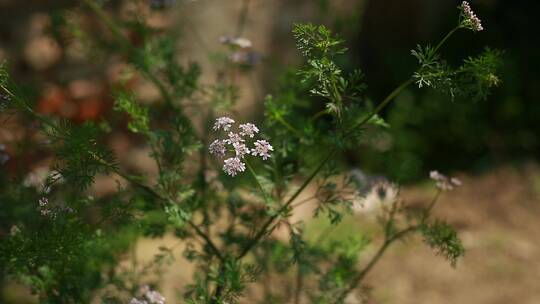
x=224, y=186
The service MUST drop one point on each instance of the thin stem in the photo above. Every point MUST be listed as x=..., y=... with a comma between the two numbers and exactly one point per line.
x=30, y=111
x=446, y=38
x=254, y=175
x=319, y=114
x=162, y=89
x=130, y=49
x=137, y=183
x=303, y=201
x=387, y=242
x=299, y=284
x=130, y=179
x=242, y=19
x=288, y=126
x=208, y=241
x=360, y=276
x=323, y=235
x=398, y=90
x=115, y=29
x=432, y=204
x=381, y=106
x=267, y=224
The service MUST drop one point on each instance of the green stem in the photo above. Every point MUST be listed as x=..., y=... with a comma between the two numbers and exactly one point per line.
x=319, y=114
x=398, y=90
x=387, y=242
x=381, y=106
x=446, y=38
x=130, y=49
x=135, y=182
x=115, y=29
x=198, y=231
x=431, y=205
x=267, y=224
x=250, y=169
x=360, y=276
x=288, y=126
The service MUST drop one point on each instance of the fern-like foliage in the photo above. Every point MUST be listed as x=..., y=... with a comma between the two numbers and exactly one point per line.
x=473, y=80
x=443, y=238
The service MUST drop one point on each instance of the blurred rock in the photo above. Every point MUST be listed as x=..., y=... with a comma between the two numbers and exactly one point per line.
x=42, y=52
x=83, y=88
x=52, y=100
x=146, y=92
x=90, y=109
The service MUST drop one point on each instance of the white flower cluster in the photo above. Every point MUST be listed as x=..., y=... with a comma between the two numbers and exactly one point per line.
x=240, y=42
x=443, y=182
x=236, y=142
x=48, y=210
x=44, y=208
x=241, y=50
x=470, y=20
x=382, y=193
x=14, y=230
x=148, y=296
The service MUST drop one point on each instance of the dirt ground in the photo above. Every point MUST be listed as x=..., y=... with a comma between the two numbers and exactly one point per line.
x=497, y=218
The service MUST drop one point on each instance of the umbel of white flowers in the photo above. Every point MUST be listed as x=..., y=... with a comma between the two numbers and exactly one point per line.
x=469, y=18
x=444, y=183
x=237, y=141
x=148, y=296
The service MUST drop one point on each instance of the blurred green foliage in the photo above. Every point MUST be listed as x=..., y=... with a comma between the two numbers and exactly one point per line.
x=426, y=129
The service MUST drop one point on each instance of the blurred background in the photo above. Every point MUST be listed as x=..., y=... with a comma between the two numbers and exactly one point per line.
x=492, y=145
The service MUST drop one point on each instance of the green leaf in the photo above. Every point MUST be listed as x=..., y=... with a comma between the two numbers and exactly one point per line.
x=442, y=237
x=139, y=115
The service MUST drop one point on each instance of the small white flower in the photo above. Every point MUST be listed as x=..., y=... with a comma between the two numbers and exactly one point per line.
x=435, y=175
x=48, y=213
x=240, y=150
x=443, y=182
x=238, y=139
x=154, y=297
x=234, y=138
x=456, y=182
x=14, y=230
x=248, y=129
x=234, y=165
x=224, y=123
x=381, y=194
x=245, y=58
x=240, y=42
x=470, y=20
x=43, y=201
x=137, y=301
x=217, y=147
x=262, y=148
